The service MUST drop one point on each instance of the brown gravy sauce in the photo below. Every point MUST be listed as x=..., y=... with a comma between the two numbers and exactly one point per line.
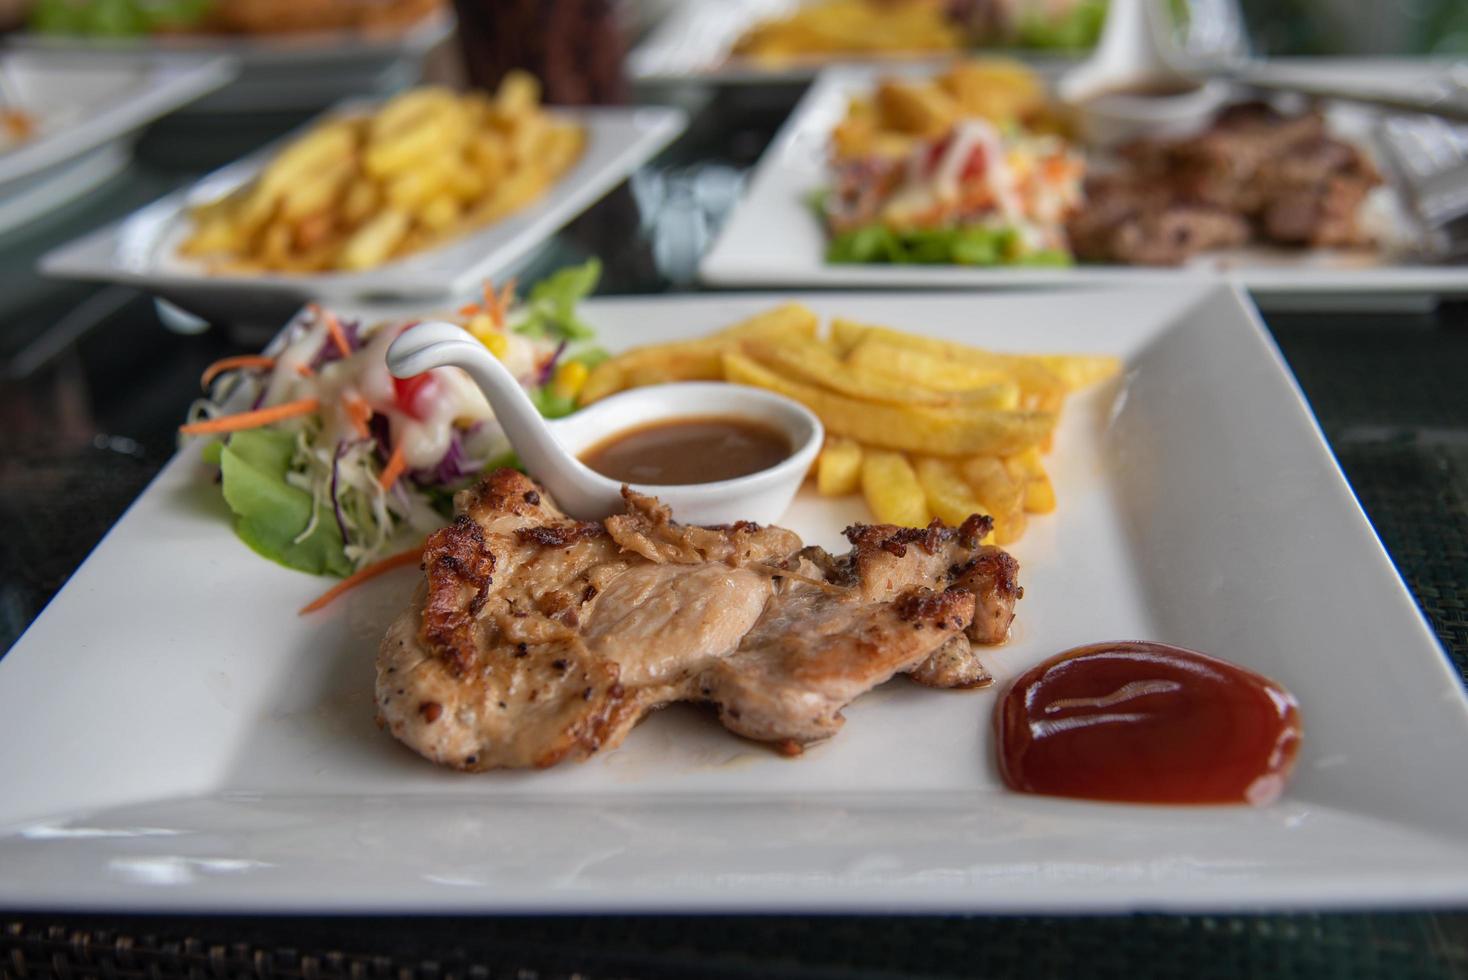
x=696, y=449
x=1147, y=723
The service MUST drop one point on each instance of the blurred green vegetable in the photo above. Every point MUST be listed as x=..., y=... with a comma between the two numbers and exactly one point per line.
x=938, y=246
x=1078, y=27
x=115, y=18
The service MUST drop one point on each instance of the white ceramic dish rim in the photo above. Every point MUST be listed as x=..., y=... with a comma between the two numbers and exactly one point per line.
x=164, y=84
x=770, y=239
x=631, y=136
x=693, y=40
x=213, y=827
x=305, y=49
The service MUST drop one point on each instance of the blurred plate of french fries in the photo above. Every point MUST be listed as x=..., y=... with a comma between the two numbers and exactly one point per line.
x=422, y=195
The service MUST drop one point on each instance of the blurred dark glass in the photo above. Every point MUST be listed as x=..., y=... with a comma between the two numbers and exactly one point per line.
x=575, y=47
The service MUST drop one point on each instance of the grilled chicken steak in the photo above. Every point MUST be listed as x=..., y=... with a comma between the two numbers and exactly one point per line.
x=537, y=638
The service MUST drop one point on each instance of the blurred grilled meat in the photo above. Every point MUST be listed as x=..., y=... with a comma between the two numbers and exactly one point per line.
x=1253, y=175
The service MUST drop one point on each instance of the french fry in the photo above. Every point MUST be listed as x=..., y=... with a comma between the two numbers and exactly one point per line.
x=1081, y=370
x=361, y=199
x=375, y=241
x=694, y=360
x=1040, y=495
x=915, y=108
x=838, y=469
x=1009, y=528
x=892, y=490
x=916, y=367
x=933, y=431
x=607, y=378
x=416, y=187
x=1029, y=469
x=997, y=89
x=1001, y=495
x=812, y=362
x=316, y=192
x=320, y=148
x=992, y=484
x=439, y=212
x=1040, y=388
x=949, y=495
x=518, y=95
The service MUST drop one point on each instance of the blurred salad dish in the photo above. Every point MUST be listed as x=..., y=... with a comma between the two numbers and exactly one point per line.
x=968, y=167
x=330, y=464
x=978, y=166
x=131, y=18
x=877, y=28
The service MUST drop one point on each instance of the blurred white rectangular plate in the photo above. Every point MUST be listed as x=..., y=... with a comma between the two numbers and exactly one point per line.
x=85, y=113
x=309, y=70
x=774, y=239
x=141, y=249
x=183, y=740
x=692, y=41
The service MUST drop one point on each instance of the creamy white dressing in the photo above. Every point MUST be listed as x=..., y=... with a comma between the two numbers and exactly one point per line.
x=451, y=398
x=454, y=398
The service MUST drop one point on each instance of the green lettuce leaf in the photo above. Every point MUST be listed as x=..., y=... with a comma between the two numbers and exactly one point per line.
x=550, y=309
x=1079, y=27
x=972, y=245
x=270, y=513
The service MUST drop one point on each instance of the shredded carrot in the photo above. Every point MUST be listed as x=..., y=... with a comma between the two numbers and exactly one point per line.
x=498, y=305
x=410, y=557
x=469, y=309
x=359, y=412
x=253, y=419
x=334, y=327
x=305, y=371
x=233, y=364
x=507, y=297
x=394, y=468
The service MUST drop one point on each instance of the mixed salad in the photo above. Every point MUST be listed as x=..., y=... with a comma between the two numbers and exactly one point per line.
x=982, y=194
x=329, y=463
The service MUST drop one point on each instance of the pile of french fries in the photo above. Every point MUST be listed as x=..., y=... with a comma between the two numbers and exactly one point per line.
x=358, y=190
x=872, y=27
x=903, y=111
x=922, y=428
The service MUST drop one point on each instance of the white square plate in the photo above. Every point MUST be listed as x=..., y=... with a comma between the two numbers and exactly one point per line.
x=181, y=739
x=141, y=249
x=286, y=71
x=85, y=112
x=774, y=239
x=693, y=40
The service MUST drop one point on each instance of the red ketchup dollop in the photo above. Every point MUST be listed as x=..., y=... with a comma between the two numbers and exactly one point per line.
x=1147, y=723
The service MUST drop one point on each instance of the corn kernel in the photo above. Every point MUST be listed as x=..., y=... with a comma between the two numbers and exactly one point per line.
x=498, y=343
x=480, y=325
x=570, y=378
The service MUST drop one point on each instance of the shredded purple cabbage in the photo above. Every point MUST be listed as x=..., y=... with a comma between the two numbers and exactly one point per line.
x=352, y=331
x=452, y=468
x=548, y=369
x=336, y=506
